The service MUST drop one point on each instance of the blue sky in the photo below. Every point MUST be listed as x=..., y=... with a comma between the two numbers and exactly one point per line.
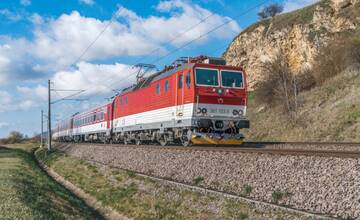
x=41, y=40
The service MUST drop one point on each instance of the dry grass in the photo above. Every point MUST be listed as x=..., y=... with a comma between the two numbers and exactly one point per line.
x=27, y=193
x=143, y=198
x=330, y=112
x=334, y=58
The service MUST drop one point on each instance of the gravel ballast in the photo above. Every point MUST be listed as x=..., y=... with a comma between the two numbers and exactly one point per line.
x=317, y=184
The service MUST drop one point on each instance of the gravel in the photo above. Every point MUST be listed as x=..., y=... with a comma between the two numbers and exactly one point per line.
x=316, y=184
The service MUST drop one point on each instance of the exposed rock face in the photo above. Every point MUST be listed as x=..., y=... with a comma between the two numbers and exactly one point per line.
x=297, y=35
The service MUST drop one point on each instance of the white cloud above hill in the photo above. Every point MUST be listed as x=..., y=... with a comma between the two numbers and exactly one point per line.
x=58, y=42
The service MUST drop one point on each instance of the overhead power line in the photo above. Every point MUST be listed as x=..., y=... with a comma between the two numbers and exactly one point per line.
x=196, y=39
x=167, y=43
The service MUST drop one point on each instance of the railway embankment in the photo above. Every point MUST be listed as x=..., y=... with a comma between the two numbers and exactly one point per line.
x=326, y=185
x=139, y=196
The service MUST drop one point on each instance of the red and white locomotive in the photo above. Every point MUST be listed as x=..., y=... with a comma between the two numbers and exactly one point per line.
x=200, y=100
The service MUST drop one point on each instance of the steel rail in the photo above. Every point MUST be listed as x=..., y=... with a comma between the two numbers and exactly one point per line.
x=247, y=149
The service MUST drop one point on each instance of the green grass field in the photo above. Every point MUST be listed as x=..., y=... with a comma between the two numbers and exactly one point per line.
x=26, y=192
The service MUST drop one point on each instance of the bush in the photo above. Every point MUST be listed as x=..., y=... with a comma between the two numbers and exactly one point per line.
x=270, y=11
x=334, y=58
x=13, y=138
x=279, y=85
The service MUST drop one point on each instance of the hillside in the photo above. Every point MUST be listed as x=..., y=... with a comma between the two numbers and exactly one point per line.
x=330, y=112
x=298, y=35
x=303, y=68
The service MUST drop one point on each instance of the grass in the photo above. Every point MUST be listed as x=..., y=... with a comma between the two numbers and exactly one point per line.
x=247, y=190
x=26, y=192
x=198, y=180
x=329, y=112
x=143, y=198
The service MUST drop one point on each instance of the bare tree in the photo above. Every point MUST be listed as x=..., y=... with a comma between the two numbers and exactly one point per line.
x=270, y=11
x=279, y=86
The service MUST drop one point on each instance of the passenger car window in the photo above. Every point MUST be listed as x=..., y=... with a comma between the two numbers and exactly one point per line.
x=158, y=89
x=180, y=83
x=188, y=80
x=166, y=85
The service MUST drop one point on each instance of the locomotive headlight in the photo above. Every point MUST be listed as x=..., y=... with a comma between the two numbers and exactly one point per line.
x=241, y=112
x=204, y=110
x=235, y=112
x=198, y=111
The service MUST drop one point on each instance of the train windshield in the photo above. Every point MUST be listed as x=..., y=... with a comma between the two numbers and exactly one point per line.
x=231, y=79
x=207, y=77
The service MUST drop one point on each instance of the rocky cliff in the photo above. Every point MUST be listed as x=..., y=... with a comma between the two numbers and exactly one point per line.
x=297, y=35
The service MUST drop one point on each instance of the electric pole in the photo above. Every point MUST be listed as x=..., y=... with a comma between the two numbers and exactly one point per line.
x=49, y=115
x=42, y=128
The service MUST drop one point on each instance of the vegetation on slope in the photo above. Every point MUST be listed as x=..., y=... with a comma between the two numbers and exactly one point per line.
x=26, y=192
x=322, y=104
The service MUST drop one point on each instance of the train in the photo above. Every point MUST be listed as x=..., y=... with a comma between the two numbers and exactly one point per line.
x=198, y=100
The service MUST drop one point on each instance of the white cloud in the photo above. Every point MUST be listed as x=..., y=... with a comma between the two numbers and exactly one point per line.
x=16, y=62
x=25, y=2
x=87, y=2
x=291, y=5
x=38, y=91
x=4, y=125
x=95, y=78
x=57, y=42
x=36, y=19
x=65, y=38
x=10, y=103
x=10, y=15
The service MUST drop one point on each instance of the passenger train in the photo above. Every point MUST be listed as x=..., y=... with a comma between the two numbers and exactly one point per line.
x=199, y=100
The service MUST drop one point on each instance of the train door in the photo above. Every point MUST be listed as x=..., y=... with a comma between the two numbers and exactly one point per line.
x=109, y=116
x=180, y=89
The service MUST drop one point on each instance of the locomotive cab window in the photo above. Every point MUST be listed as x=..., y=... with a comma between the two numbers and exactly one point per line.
x=232, y=79
x=206, y=77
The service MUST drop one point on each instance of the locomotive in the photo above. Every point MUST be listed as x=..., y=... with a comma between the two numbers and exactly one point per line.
x=198, y=100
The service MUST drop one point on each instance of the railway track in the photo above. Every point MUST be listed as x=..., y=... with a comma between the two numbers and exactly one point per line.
x=322, y=149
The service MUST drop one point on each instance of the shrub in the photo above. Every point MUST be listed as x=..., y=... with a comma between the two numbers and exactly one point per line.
x=247, y=190
x=198, y=180
x=279, y=85
x=270, y=11
x=13, y=138
x=277, y=196
x=335, y=57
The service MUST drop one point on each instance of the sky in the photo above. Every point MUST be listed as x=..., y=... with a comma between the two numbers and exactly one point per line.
x=92, y=45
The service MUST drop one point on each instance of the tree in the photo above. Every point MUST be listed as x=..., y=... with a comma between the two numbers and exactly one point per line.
x=14, y=137
x=270, y=11
x=279, y=86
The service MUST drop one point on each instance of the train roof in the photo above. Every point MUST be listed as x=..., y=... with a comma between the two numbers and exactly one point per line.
x=179, y=64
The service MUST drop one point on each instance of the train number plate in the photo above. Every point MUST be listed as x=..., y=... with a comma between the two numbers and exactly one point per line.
x=219, y=111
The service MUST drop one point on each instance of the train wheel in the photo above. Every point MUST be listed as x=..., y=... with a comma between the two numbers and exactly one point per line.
x=186, y=139
x=126, y=141
x=186, y=142
x=163, y=140
x=138, y=141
